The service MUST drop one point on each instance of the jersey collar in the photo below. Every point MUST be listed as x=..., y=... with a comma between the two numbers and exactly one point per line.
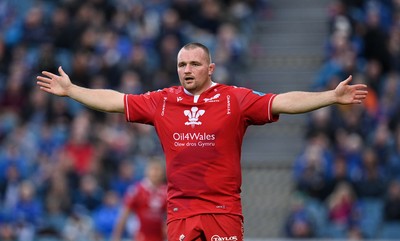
x=188, y=93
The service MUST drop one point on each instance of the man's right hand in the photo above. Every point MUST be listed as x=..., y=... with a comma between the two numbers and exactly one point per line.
x=55, y=84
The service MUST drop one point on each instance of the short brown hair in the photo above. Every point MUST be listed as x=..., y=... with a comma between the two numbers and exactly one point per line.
x=198, y=45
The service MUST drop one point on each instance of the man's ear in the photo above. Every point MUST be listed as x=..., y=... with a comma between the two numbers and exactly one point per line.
x=211, y=69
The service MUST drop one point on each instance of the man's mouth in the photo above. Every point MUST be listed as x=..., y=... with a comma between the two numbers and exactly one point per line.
x=189, y=78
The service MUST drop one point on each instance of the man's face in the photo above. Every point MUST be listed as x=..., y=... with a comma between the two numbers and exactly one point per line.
x=194, y=70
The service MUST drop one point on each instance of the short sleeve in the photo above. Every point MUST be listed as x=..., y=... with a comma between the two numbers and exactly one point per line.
x=142, y=108
x=256, y=107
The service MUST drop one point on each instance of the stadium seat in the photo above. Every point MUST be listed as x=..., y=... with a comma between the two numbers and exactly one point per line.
x=390, y=230
x=336, y=231
x=371, y=216
x=319, y=213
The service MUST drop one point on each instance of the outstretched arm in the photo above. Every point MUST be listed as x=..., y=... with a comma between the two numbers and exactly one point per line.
x=98, y=99
x=300, y=102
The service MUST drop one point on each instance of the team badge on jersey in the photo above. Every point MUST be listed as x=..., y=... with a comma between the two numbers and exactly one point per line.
x=193, y=114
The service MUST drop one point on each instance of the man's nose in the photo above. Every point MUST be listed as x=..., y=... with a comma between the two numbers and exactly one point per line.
x=188, y=69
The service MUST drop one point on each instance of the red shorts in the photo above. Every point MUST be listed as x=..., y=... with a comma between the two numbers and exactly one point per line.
x=206, y=227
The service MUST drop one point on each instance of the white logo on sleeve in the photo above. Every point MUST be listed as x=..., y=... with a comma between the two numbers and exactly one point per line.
x=193, y=114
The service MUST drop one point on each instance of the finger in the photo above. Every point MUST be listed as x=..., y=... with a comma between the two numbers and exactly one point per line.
x=44, y=84
x=48, y=90
x=347, y=81
x=360, y=86
x=361, y=96
x=361, y=92
x=61, y=71
x=49, y=74
x=43, y=79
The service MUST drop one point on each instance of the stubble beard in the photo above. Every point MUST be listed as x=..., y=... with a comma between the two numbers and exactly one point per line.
x=194, y=86
x=189, y=86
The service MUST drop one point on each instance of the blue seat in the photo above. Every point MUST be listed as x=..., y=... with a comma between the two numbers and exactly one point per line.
x=336, y=231
x=390, y=230
x=319, y=214
x=371, y=216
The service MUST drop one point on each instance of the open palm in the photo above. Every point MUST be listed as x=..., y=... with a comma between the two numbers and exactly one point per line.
x=350, y=94
x=55, y=84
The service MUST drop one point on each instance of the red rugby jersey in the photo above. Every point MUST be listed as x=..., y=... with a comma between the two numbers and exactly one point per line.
x=201, y=137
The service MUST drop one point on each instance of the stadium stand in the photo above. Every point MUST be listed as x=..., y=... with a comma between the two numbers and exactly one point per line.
x=360, y=142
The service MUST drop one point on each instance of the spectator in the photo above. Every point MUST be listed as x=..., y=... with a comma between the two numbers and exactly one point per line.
x=340, y=174
x=312, y=168
x=389, y=97
x=350, y=146
x=4, y=62
x=393, y=165
x=61, y=29
x=381, y=141
x=34, y=31
x=35, y=112
x=229, y=52
x=9, y=188
x=374, y=75
x=79, y=148
x=57, y=195
x=124, y=178
x=209, y=17
x=391, y=207
x=13, y=99
x=394, y=48
x=28, y=212
x=372, y=182
x=375, y=38
x=54, y=220
x=131, y=82
x=120, y=141
x=139, y=61
x=355, y=233
x=299, y=224
x=341, y=205
x=172, y=25
x=7, y=232
x=89, y=194
x=106, y=215
x=78, y=226
x=320, y=122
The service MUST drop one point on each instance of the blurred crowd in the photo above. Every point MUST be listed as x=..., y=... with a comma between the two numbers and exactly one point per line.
x=348, y=175
x=64, y=168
